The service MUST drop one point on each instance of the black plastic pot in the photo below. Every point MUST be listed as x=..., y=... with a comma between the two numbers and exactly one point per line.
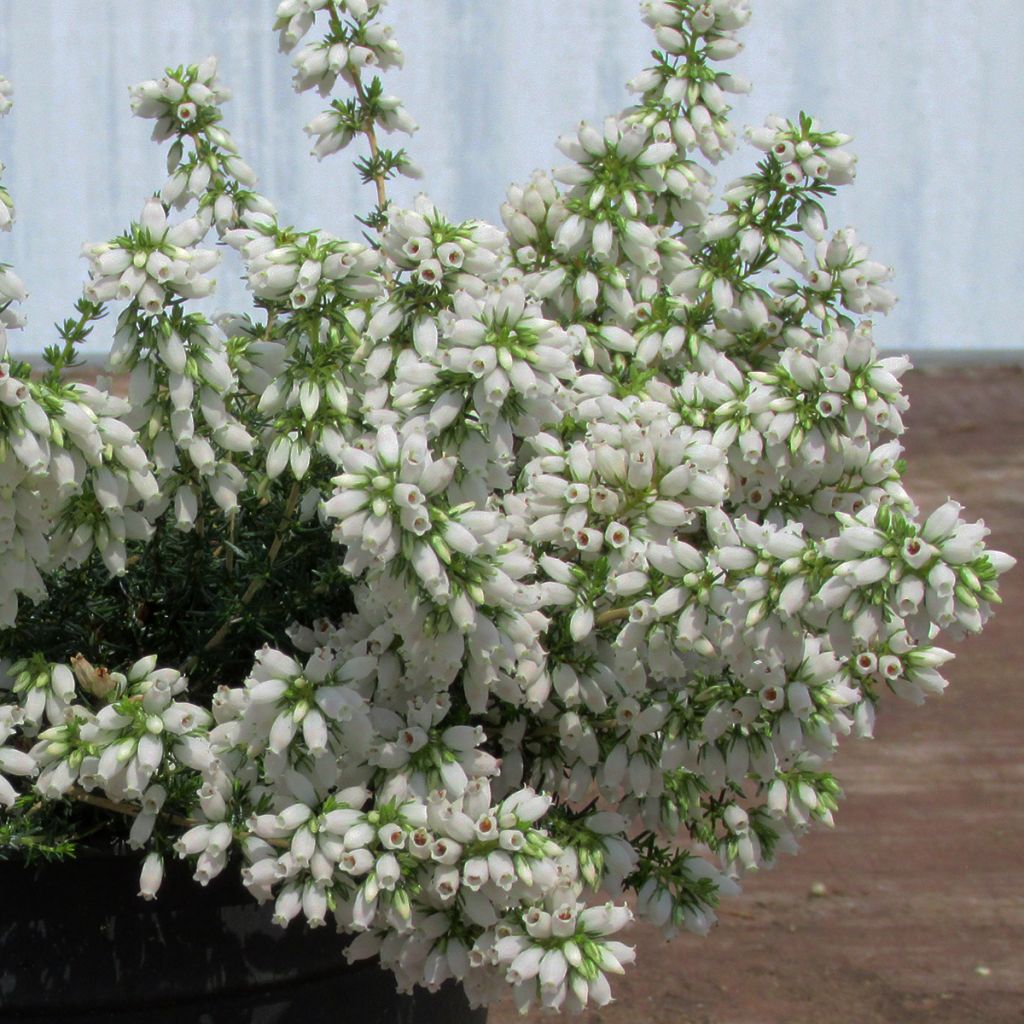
x=77, y=946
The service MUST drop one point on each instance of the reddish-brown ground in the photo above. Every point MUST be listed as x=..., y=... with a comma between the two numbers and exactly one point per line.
x=923, y=913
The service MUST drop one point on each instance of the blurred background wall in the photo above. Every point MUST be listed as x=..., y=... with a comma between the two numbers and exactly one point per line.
x=931, y=89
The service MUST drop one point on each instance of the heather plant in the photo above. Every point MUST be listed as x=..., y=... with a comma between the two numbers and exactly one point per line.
x=476, y=578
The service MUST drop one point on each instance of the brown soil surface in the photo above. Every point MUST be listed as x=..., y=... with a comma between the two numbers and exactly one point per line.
x=923, y=913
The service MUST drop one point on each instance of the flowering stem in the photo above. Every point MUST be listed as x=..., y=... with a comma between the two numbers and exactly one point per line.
x=368, y=130
x=371, y=137
x=379, y=180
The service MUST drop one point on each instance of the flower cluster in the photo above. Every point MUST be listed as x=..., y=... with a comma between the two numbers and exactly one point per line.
x=355, y=43
x=152, y=263
x=475, y=577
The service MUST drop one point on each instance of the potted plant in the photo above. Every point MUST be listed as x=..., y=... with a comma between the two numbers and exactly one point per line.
x=474, y=580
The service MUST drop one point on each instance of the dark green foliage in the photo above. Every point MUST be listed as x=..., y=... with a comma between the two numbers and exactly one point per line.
x=178, y=591
x=46, y=830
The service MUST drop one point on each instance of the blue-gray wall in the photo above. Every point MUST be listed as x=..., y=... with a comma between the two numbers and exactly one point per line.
x=931, y=89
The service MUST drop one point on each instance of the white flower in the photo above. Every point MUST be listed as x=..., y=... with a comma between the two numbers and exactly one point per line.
x=608, y=502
